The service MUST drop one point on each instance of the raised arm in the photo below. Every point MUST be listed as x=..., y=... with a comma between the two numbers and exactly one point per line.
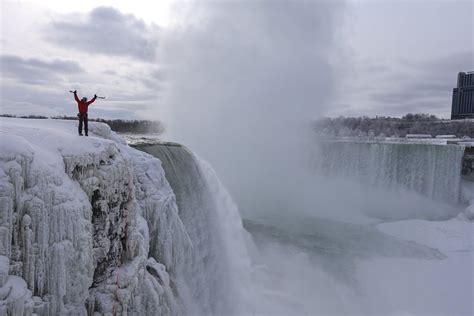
x=93, y=99
x=75, y=96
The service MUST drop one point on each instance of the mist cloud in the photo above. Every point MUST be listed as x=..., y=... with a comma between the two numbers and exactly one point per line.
x=243, y=79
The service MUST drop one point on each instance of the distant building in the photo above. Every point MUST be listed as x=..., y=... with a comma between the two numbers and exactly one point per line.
x=463, y=97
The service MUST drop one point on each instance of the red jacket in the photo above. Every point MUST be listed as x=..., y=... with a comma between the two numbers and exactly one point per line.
x=82, y=106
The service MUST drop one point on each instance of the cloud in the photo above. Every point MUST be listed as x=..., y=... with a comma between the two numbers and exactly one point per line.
x=396, y=87
x=39, y=83
x=105, y=30
x=27, y=100
x=460, y=61
x=36, y=71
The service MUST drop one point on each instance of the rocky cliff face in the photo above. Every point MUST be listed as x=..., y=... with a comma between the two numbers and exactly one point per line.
x=87, y=225
x=468, y=164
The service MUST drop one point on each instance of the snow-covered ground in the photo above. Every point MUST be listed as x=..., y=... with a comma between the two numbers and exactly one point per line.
x=442, y=140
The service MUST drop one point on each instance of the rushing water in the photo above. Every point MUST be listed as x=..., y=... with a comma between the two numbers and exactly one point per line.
x=431, y=170
x=213, y=271
x=296, y=261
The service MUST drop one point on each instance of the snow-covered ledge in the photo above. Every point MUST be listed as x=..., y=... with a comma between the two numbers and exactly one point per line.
x=73, y=233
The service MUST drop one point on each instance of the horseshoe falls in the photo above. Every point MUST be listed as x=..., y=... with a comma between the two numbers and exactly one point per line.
x=429, y=169
x=391, y=180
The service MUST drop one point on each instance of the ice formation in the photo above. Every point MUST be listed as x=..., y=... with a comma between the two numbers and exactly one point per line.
x=92, y=226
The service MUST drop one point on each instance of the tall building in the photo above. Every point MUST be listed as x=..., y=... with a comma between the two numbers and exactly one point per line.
x=463, y=97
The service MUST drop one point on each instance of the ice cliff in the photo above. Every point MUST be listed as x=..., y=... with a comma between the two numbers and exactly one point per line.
x=91, y=226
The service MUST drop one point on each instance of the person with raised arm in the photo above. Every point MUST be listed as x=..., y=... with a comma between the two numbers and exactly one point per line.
x=83, y=105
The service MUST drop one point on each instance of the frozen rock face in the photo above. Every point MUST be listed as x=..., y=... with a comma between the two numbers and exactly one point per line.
x=468, y=164
x=73, y=239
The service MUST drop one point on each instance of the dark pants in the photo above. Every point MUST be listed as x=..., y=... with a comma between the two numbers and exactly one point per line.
x=82, y=118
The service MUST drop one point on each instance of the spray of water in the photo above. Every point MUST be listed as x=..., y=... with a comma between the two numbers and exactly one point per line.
x=245, y=78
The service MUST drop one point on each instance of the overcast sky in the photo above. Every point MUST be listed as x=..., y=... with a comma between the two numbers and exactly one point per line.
x=392, y=57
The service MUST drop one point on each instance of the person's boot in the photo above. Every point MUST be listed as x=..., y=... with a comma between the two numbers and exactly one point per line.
x=80, y=134
x=87, y=134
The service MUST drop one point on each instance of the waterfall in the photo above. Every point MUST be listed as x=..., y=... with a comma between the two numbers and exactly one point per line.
x=214, y=268
x=431, y=170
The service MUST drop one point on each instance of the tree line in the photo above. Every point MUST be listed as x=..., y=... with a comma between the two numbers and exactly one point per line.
x=393, y=126
x=117, y=125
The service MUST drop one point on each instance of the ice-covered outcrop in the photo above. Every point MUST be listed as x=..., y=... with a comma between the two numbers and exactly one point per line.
x=45, y=227
x=73, y=240
x=91, y=226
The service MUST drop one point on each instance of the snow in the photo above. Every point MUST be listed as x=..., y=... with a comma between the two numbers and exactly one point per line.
x=454, y=235
x=468, y=144
x=424, y=287
x=418, y=136
x=443, y=140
